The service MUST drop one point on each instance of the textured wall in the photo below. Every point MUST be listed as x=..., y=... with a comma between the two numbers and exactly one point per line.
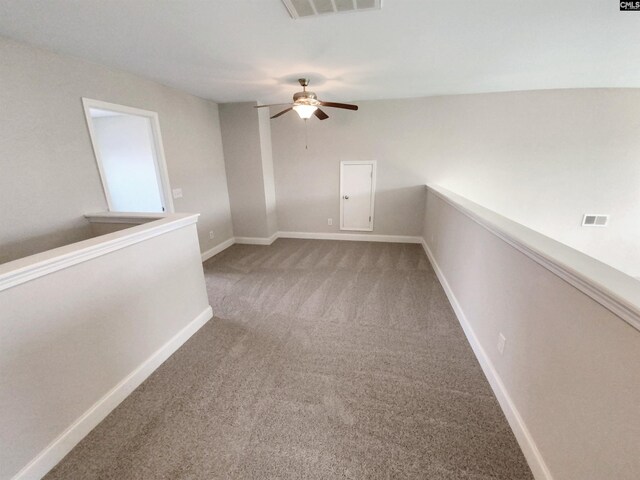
x=541, y=158
x=49, y=177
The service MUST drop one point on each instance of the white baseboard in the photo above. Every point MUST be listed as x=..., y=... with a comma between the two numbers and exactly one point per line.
x=359, y=237
x=217, y=249
x=257, y=240
x=62, y=445
x=516, y=422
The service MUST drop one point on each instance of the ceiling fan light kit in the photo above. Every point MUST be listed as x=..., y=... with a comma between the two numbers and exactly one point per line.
x=305, y=111
x=306, y=104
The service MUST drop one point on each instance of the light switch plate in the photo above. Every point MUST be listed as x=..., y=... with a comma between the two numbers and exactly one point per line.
x=177, y=193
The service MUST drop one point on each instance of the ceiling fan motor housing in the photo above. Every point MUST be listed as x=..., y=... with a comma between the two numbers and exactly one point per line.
x=305, y=98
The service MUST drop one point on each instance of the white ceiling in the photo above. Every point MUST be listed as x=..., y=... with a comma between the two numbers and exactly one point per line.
x=244, y=50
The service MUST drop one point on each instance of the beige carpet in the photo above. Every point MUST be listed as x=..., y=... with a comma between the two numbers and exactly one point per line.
x=324, y=360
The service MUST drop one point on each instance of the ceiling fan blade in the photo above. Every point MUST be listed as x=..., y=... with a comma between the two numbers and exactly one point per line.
x=339, y=105
x=271, y=105
x=282, y=112
x=320, y=114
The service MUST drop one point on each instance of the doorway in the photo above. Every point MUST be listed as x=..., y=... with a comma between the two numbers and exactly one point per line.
x=357, y=193
x=128, y=150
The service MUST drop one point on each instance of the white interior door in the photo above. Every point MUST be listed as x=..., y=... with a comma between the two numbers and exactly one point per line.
x=357, y=190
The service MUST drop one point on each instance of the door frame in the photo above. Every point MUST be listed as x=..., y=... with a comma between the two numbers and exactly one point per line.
x=160, y=160
x=373, y=164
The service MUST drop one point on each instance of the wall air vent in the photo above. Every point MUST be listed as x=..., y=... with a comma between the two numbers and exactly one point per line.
x=592, y=220
x=314, y=8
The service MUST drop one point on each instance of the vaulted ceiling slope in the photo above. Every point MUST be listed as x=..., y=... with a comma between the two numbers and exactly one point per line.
x=245, y=50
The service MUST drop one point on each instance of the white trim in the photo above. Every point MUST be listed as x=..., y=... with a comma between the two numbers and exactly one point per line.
x=516, y=422
x=217, y=249
x=136, y=218
x=257, y=240
x=373, y=164
x=358, y=237
x=617, y=292
x=29, y=268
x=62, y=445
x=161, y=162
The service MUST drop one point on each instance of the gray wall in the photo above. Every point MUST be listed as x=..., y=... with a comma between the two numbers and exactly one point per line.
x=249, y=165
x=569, y=365
x=541, y=158
x=49, y=177
x=96, y=330
x=264, y=123
x=308, y=180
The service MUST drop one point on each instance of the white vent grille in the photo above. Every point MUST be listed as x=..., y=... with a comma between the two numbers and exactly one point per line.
x=313, y=8
x=593, y=220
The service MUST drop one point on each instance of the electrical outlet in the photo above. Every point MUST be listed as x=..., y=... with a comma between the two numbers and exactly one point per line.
x=211, y=234
x=501, y=342
x=177, y=193
x=330, y=221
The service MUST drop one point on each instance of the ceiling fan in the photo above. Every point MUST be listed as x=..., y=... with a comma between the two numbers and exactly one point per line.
x=306, y=104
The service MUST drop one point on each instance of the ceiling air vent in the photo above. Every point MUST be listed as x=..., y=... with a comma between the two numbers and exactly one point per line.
x=591, y=220
x=313, y=8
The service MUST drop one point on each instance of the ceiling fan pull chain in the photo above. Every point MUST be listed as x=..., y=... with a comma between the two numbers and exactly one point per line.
x=306, y=136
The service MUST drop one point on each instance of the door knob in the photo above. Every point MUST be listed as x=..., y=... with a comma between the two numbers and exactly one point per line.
x=346, y=197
